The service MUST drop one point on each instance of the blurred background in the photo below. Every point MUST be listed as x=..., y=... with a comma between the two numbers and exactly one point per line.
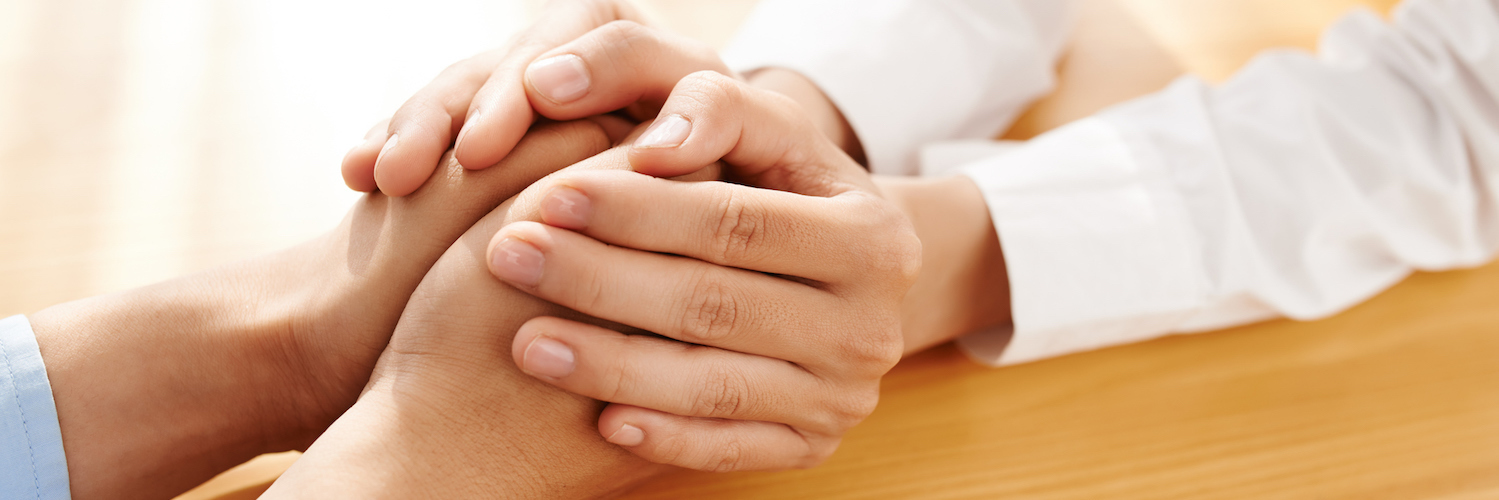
x=143, y=139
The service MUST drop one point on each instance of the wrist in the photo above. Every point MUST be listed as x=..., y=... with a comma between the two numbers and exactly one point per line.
x=159, y=388
x=963, y=285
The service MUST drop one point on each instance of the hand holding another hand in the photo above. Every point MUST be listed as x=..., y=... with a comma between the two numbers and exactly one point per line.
x=782, y=290
x=782, y=293
x=482, y=106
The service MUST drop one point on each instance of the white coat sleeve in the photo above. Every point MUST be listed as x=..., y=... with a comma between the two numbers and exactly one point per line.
x=1302, y=186
x=908, y=72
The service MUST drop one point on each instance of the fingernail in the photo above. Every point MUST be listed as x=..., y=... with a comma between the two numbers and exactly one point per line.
x=548, y=358
x=361, y=145
x=668, y=131
x=566, y=207
x=627, y=435
x=561, y=78
x=458, y=143
x=468, y=123
x=516, y=261
x=389, y=144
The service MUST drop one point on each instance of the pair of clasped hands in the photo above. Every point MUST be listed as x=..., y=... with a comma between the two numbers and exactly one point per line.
x=755, y=271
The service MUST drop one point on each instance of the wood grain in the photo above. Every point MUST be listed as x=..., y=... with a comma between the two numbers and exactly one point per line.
x=141, y=139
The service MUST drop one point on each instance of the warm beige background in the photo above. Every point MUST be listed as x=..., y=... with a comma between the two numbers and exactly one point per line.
x=143, y=139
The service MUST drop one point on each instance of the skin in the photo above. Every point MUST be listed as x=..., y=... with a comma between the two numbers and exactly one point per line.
x=448, y=415
x=796, y=274
x=261, y=356
x=159, y=388
x=963, y=285
x=626, y=65
x=479, y=106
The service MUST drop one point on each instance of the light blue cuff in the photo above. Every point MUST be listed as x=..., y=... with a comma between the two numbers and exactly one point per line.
x=32, y=464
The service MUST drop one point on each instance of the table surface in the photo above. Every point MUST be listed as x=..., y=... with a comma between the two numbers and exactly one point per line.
x=143, y=139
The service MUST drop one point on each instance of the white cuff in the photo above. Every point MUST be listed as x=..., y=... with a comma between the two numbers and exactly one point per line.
x=906, y=72
x=1097, y=243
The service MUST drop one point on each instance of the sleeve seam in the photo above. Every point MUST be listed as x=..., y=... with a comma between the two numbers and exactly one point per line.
x=25, y=427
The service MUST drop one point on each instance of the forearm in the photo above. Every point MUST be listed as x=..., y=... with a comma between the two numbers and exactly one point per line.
x=159, y=388
x=963, y=285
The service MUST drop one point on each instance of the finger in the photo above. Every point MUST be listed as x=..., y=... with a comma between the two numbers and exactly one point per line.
x=618, y=128
x=681, y=298
x=726, y=224
x=422, y=128
x=358, y=166
x=500, y=113
x=680, y=378
x=465, y=196
x=612, y=67
x=763, y=135
x=711, y=444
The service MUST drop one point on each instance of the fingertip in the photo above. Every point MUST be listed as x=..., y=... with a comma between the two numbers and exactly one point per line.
x=400, y=168
x=617, y=425
x=490, y=135
x=660, y=162
x=558, y=79
x=479, y=148
x=464, y=147
x=627, y=435
x=516, y=260
x=358, y=166
x=659, y=150
x=386, y=169
x=566, y=207
x=527, y=332
x=667, y=132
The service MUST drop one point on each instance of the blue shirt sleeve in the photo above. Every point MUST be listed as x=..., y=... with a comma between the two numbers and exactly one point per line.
x=31, y=456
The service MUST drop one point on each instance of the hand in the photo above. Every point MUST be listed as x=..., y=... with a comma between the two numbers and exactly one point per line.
x=447, y=415
x=159, y=388
x=487, y=101
x=784, y=298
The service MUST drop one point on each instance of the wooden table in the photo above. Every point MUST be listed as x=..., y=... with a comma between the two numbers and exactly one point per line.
x=120, y=165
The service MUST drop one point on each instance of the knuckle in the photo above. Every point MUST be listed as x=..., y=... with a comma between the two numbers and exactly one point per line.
x=894, y=250
x=623, y=30
x=845, y=408
x=893, y=346
x=818, y=453
x=908, y=255
x=461, y=70
x=722, y=393
x=422, y=116
x=712, y=310
x=587, y=294
x=628, y=45
x=728, y=457
x=874, y=351
x=672, y=449
x=858, y=406
x=739, y=228
x=711, y=89
x=618, y=382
